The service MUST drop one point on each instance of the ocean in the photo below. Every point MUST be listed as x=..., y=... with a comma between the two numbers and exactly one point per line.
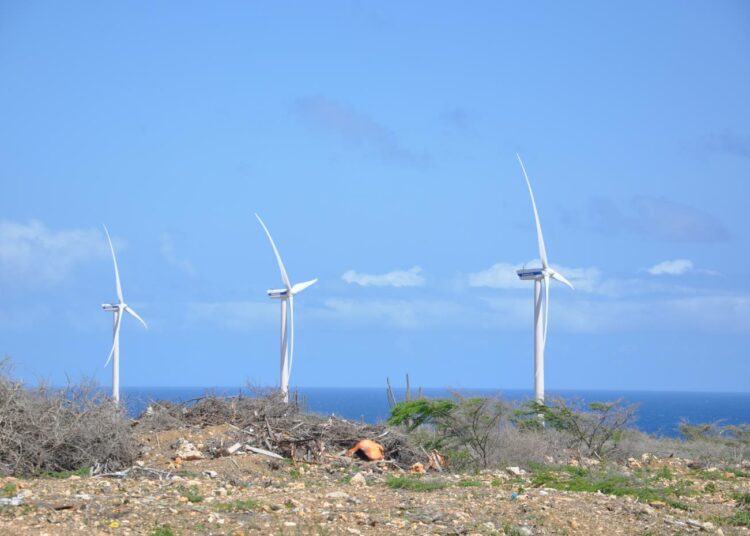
x=658, y=413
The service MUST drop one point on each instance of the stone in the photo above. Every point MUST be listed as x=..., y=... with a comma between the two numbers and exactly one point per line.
x=337, y=495
x=632, y=463
x=186, y=451
x=358, y=480
x=515, y=471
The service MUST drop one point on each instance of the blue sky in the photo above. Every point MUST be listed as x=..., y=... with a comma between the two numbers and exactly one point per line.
x=378, y=143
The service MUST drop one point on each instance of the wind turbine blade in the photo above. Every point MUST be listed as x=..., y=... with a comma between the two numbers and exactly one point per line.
x=546, y=308
x=299, y=287
x=539, y=237
x=291, y=333
x=284, y=277
x=114, y=339
x=114, y=260
x=562, y=280
x=128, y=309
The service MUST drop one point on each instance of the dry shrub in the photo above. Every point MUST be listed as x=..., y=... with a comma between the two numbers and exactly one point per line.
x=50, y=430
x=524, y=448
x=723, y=450
x=265, y=421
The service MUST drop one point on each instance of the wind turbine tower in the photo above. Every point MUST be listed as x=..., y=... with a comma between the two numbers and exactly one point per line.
x=118, y=309
x=285, y=296
x=541, y=277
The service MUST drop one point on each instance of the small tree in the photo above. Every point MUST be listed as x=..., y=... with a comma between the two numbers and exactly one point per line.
x=593, y=431
x=468, y=426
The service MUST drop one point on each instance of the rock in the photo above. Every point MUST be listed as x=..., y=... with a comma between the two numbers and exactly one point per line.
x=358, y=480
x=526, y=531
x=632, y=463
x=515, y=471
x=573, y=524
x=210, y=474
x=337, y=495
x=186, y=451
x=703, y=526
x=12, y=501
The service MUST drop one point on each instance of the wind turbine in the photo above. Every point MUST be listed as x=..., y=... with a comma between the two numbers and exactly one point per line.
x=285, y=295
x=118, y=309
x=540, y=276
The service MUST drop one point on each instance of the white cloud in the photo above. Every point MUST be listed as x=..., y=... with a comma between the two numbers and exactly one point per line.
x=396, y=278
x=502, y=275
x=499, y=275
x=169, y=254
x=34, y=254
x=675, y=267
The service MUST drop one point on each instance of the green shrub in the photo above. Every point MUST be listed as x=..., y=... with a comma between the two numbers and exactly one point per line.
x=162, y=531
x=238, y=506
x=414, y=483
x=191, y=493
x=593, y=430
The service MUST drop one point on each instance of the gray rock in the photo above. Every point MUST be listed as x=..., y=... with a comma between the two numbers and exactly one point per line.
x=186, y=451
x=358, y=480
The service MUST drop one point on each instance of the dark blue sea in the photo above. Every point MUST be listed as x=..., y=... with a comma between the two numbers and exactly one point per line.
x=658, y=412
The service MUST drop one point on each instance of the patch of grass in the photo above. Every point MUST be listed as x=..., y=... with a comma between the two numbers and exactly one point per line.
x=665, y=473
x=710, y=488
x=295, y=473
x=605, y=482
x=83, y=471
x=496, y=483
x=738, y=472
x=710, y=475
x=510, y=530
x=741, y=518
x=9, y=490
x=414, y=484
x=469, y=484
x=162, y=531
x=238, y=506
x=345, y=480
x=742, y=499
x=191, y=494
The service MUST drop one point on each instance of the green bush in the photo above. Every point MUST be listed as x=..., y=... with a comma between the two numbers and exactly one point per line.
x=593, y=430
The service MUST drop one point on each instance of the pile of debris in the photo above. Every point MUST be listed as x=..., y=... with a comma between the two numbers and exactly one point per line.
x=267, y=425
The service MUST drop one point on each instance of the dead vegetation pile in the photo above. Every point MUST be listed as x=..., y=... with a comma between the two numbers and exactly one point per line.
x=44, y=430
x=265, y=421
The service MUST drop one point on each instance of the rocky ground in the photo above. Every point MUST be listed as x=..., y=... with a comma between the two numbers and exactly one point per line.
x=252, y=493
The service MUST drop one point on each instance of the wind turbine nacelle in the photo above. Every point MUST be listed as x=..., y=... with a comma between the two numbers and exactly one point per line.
x=278, y=293
x=110, y=308
x=530, y=274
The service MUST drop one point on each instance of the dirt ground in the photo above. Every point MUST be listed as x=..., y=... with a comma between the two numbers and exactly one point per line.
x=254, y=494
